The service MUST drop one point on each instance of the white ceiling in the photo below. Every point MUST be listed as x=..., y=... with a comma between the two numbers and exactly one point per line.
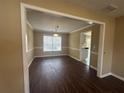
x=47, y=22
x=100, y=5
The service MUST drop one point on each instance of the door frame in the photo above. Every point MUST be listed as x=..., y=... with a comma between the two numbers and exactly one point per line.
x=23, y=26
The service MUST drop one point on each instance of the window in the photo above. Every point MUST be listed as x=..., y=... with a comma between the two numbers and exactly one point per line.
x=51, y=43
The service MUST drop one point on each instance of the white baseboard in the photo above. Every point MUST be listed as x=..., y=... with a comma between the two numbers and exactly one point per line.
x=30, y=62
x=74, y=58
x=93, y=67
x=51, y=55
x=114, y=75
x=105, y=75
x=119, y=77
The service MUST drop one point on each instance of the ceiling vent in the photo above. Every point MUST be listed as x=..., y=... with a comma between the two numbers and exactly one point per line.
x=111, y=8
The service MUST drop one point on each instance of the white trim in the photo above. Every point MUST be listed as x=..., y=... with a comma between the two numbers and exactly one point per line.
x=93, y=67
x=42, y=47
x=25, y=69
x=74, y=58
x=30, y=63
x=59, y=13
x=117, y=76
x=74, y=49
x=81, y=28
x=105, y=75
x=62, y=47
x=114, y=75
x=29, y=24
x=51, y=55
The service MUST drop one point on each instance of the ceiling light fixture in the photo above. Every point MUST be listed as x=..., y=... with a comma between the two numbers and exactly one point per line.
x=55, y=35
x=56, y=29
x=90, y=22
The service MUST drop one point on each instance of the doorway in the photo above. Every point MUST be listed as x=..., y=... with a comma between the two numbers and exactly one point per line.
x=86, y=47
x=23, y=22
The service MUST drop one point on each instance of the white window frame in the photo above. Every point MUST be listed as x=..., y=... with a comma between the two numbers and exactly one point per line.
x=45, y=50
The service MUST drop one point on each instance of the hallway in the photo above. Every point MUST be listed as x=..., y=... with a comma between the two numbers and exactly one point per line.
x=66, y=75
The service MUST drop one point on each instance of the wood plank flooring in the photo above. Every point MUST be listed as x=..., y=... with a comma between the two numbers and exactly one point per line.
x=66, y=75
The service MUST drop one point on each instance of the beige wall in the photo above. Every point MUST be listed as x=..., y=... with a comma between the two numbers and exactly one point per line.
x=75, y=53
x=11, y=72
x=11, y=68
x=74, y=43
x=38, y=45
x=118, y=54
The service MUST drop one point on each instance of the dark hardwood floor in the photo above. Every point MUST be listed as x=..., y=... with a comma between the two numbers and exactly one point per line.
x=66, y=75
